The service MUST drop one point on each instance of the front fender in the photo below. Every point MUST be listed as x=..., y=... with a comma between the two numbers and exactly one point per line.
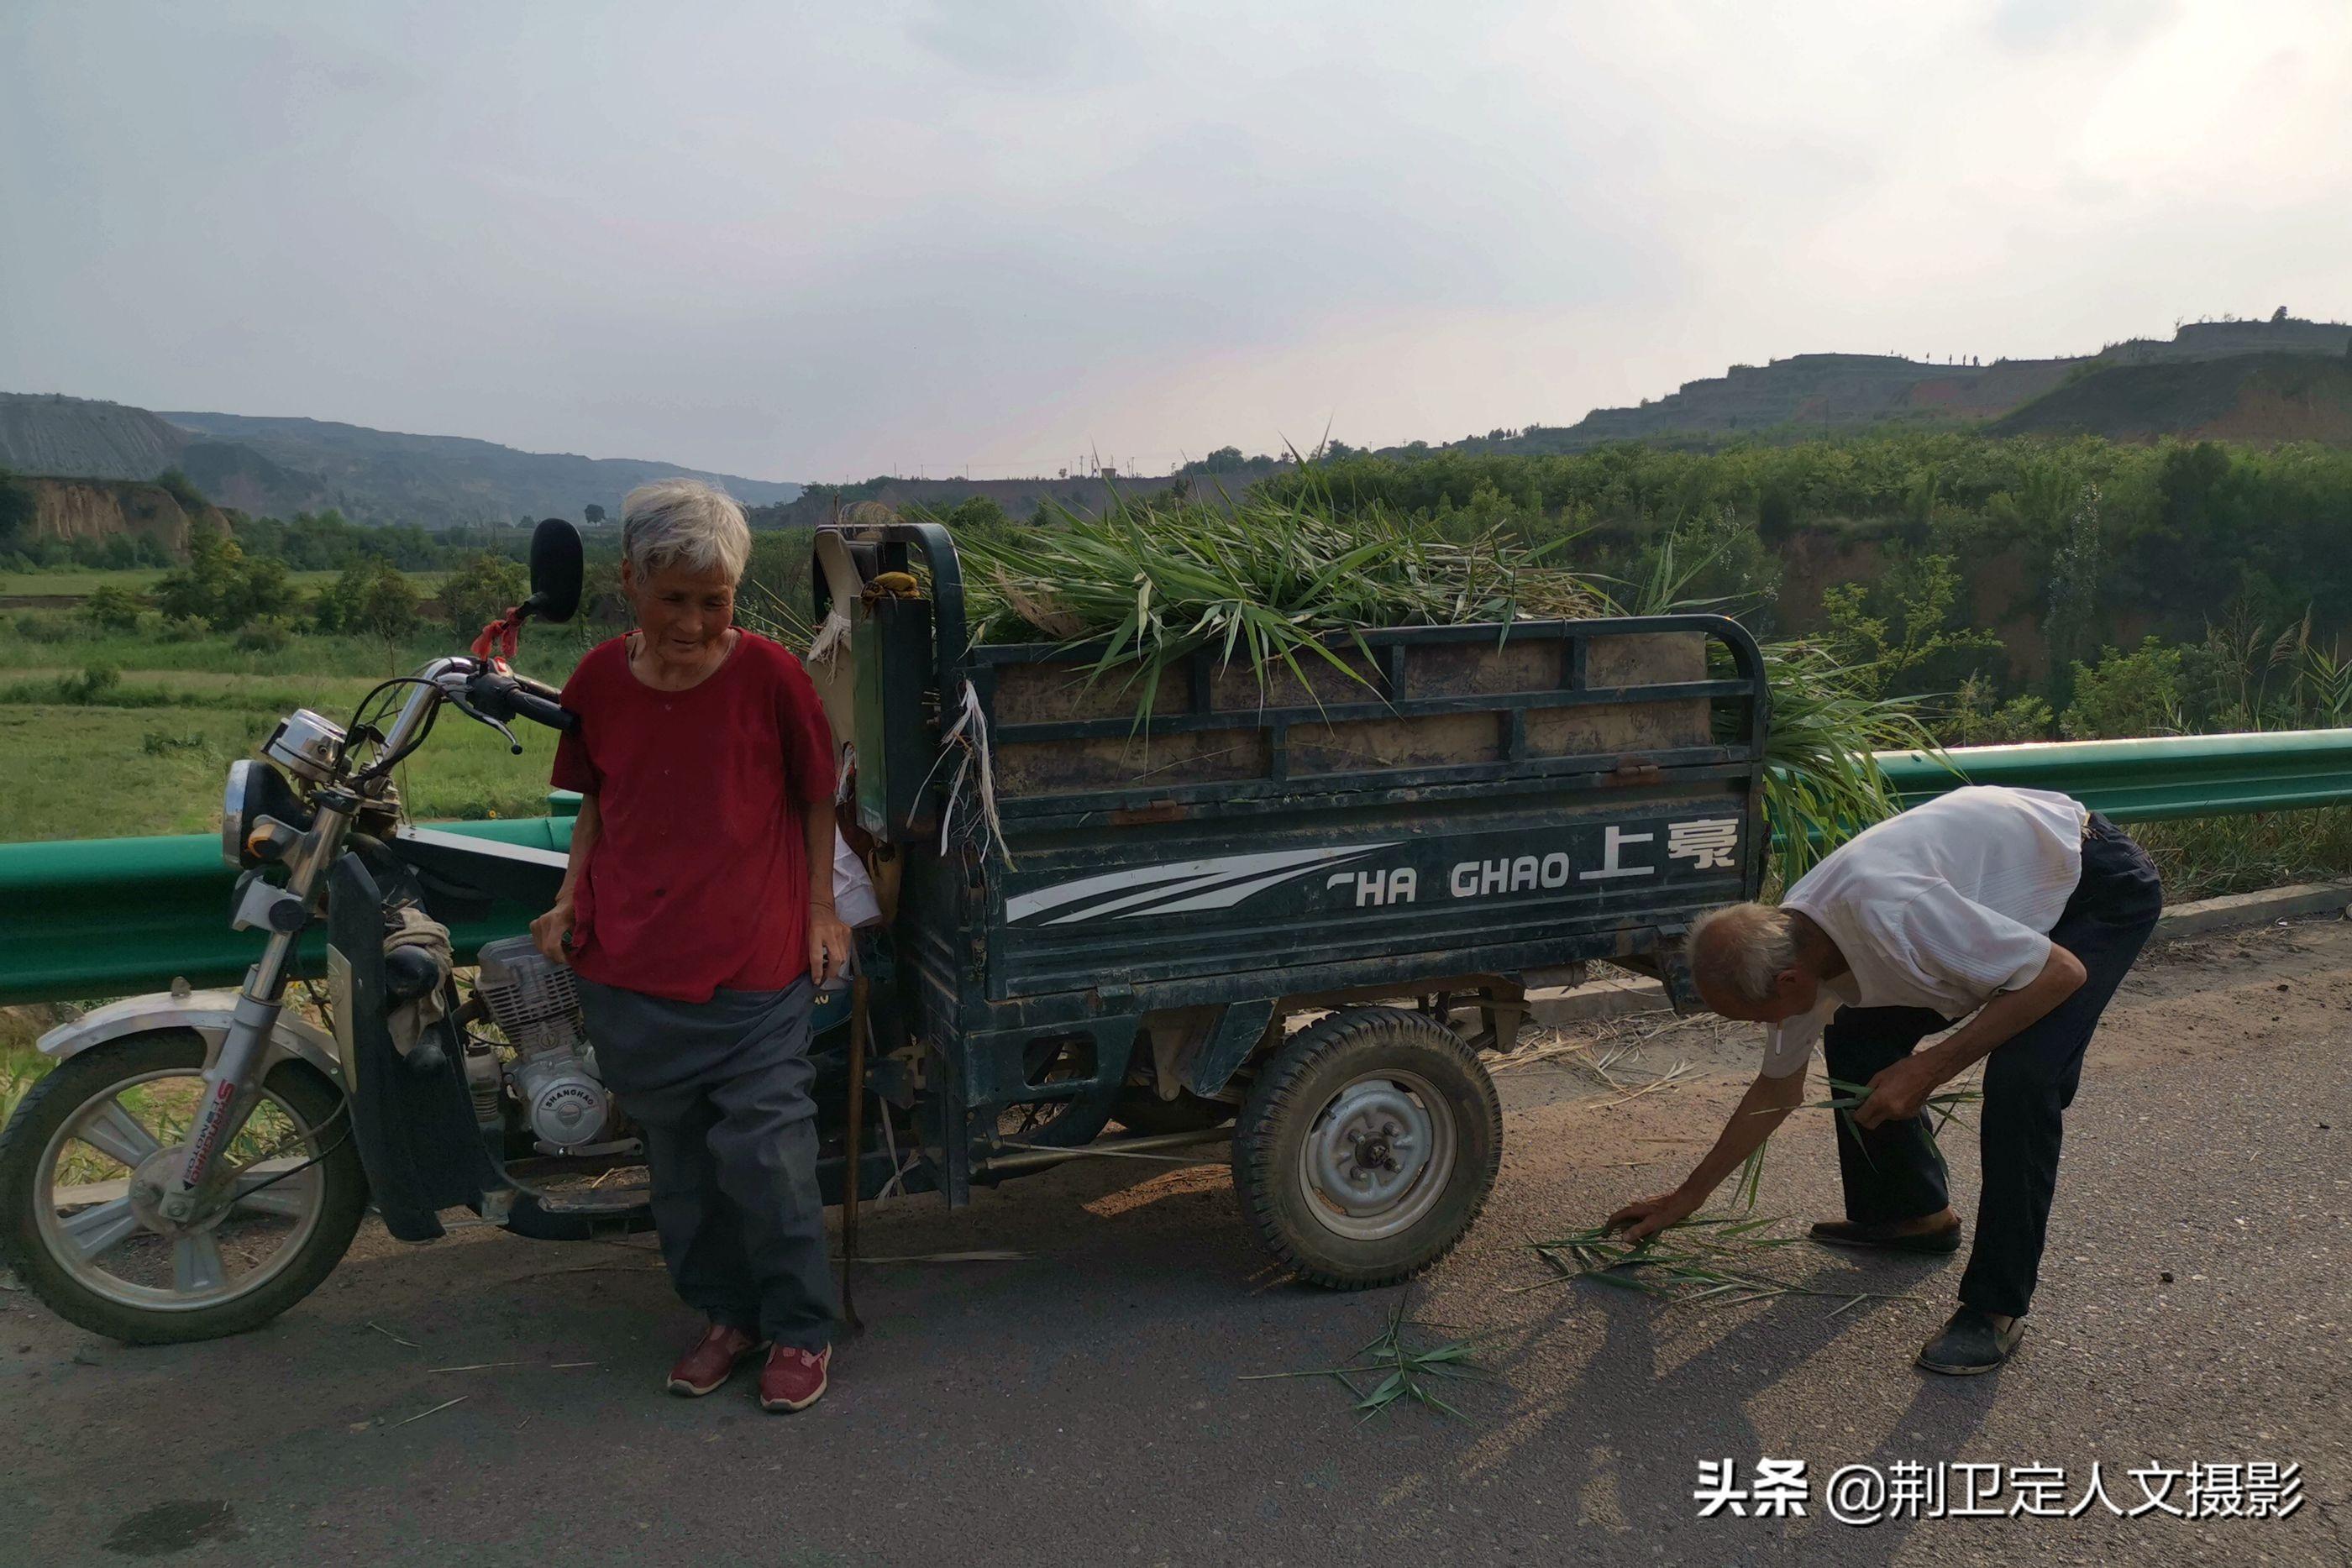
x=206, y=1012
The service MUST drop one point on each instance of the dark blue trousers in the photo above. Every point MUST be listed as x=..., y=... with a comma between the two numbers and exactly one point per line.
x=1896, y=1172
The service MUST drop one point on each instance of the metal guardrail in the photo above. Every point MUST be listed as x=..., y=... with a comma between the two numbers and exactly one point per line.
x=81, y=918
x=2146, y=781
x=106, y=917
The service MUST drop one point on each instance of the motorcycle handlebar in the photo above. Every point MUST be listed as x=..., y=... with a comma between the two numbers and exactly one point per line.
x=516, y=696
x=542, y=710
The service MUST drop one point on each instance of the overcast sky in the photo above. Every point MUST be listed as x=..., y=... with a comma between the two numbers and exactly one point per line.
x=1001, y=234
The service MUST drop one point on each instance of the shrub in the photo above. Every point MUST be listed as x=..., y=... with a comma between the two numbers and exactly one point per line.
x=2127, y=695
x=117, y=552
x=268, y=634
x=90, y=687
x=1980, y=718
x=372, y=599
x=602, y=605
x=182, y=489
x=983, y=512
x=481, y=589
x=111, y=607
x=221, y=586
x=18, y=507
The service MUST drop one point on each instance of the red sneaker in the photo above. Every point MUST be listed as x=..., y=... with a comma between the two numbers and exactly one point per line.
x=712, y=1360
x=793, y=1379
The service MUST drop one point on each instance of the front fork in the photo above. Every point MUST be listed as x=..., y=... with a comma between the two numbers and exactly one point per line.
x=233, y=1074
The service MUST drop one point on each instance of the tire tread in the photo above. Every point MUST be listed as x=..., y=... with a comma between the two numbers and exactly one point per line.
x=27, y=1137
x=1274, y=1099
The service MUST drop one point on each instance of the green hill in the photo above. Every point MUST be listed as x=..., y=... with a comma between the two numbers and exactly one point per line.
x=2256, y=398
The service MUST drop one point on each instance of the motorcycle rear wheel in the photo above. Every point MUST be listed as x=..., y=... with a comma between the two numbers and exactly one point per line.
x=80, y=1238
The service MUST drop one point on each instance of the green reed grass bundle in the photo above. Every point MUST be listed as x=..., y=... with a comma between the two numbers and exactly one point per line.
x=1821, y=783
x=1280, y=585
x=1264, y=584
x=1943, y=1108
x=1942, y=1105
x=763, y=609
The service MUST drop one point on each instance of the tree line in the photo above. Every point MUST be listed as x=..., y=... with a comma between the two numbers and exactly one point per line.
x=225, y=589
x=2210, y=548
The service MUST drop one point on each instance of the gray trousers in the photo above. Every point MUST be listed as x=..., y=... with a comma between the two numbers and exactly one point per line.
x=721, y=1091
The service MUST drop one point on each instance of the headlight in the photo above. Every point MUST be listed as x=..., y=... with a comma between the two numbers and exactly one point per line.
x=256, y=790
x=307, y=744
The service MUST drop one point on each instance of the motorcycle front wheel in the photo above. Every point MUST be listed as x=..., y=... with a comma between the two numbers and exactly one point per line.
x=91, y=1145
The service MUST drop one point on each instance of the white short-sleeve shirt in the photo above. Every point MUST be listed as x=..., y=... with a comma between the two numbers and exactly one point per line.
x=1942, y=907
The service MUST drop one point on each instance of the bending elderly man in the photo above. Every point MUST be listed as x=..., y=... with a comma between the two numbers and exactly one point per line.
x=2015, y=905
x=697, y=913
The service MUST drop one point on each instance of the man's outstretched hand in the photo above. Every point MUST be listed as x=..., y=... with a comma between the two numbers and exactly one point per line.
x=1646, y=1217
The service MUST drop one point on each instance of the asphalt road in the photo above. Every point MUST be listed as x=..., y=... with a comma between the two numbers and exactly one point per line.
x=1085, y=1404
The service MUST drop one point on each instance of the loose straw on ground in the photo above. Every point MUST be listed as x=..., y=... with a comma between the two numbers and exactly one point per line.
x=435, y=1411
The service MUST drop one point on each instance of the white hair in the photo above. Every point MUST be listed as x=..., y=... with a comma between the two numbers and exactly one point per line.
x=1742, y=948
x=684, y=522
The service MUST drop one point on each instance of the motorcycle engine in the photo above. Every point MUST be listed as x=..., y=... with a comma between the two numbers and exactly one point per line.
x=553, y=1074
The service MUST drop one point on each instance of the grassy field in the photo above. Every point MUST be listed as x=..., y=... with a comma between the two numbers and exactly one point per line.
x=2210, y=857
x=145, y=751
x=79, y=582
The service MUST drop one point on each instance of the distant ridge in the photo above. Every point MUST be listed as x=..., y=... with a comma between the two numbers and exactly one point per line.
x=281, y=465
x=72, y=435
x=383, y=476
x=1808, y=394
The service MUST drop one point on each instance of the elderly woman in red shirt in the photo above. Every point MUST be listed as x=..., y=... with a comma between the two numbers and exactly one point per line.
x=697, y=918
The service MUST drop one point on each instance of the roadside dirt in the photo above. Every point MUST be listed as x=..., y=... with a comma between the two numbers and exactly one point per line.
x=1083, y=1399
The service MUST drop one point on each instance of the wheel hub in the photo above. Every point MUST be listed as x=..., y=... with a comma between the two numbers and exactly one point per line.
x=151, y=1181
x=116, y=1243
x=1373, y=1145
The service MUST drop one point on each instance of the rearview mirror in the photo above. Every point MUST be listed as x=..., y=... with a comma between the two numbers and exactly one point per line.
x=555, y=566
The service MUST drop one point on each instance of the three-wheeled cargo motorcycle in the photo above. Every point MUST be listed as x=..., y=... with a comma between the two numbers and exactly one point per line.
x=1288, y=915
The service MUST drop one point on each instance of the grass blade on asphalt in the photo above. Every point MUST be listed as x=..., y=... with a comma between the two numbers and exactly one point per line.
x=1409, y=1369
x=1710, y=1260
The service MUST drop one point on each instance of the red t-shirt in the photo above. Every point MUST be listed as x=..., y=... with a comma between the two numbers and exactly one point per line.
x=699, y=876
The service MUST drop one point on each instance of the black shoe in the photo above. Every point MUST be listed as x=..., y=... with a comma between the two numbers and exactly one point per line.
x=1885, y=1239
x=1971, y=1342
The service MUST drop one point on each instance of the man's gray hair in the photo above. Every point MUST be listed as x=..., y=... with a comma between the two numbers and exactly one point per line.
x=1741, y=947
x=687, y=523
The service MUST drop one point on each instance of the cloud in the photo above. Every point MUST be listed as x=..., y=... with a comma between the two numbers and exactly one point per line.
x=1023, y=43
x=818, y=245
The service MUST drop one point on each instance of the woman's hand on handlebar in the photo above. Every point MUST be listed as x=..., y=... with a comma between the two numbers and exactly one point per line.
x=552, y=934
